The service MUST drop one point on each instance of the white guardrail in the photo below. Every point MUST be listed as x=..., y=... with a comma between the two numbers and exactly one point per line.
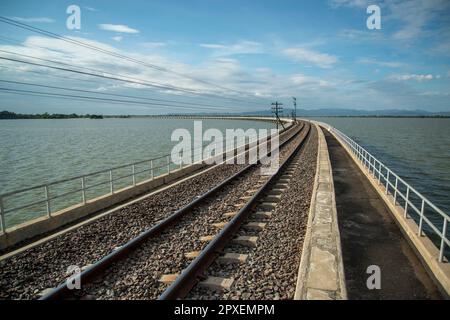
x=403, y=194
x=109, y=177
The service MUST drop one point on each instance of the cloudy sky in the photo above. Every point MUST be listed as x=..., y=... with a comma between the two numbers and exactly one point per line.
x=236, y=55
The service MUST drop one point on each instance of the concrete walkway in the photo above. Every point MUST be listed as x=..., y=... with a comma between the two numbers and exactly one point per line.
x=369, y=236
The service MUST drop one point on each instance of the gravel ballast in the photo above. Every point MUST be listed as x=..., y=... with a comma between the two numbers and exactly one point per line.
x=27, y=274
x=271, y=269
x=137, y=276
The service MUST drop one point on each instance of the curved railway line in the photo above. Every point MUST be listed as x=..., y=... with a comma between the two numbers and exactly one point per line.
x=142, y=267
x=19, y=272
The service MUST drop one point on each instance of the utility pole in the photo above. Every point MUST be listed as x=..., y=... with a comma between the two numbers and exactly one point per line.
x=277, y=109
x=294, y=116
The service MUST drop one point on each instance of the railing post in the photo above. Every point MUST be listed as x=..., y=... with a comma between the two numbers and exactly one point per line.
x=387, y=181
x=152, y=176
x=2, y=217
x=133, y=169
x=111, y=185
x=395, y=191
x=47, y=200
x=422, y=212
x=365, y=158
x=379, y=173
x=83, y=191
x=444, y=232
x=168, y=164
x=406, y=202
x=373, y=166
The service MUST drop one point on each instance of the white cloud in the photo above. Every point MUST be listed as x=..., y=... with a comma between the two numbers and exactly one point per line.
x=304, y=80
x=342, y=90
x=31, y=20
x=303, y=55
x=212, y=46
x=241, y=47
x=153, y=45
x=415, y=15
x=416, y=77
x=390, y=64
x=117, y=38
x=117, y=28
x=90, y=9
x=349, y=3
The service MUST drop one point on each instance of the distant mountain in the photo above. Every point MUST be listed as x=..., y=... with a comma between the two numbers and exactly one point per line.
x=353, y=113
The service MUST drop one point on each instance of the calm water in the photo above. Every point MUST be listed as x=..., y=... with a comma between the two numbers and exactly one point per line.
x=34, y=152
x=418, y=150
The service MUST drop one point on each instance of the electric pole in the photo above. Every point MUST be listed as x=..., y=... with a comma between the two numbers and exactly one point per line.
x=294, y=116
x=277, y=109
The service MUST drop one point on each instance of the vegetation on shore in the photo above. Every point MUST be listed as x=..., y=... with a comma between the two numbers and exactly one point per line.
x=12, y=115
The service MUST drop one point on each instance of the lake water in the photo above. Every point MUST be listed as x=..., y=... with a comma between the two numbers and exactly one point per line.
x=34, y=152
x=417, y=149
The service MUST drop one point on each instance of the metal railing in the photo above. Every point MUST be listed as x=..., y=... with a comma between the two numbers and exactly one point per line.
x=412, y=202
x=163, y=166
x=152, y=167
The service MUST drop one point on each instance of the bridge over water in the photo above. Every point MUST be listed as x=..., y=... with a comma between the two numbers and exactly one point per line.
x=325, y=226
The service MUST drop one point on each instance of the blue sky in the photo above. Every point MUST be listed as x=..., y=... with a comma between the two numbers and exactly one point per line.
x=319, y=51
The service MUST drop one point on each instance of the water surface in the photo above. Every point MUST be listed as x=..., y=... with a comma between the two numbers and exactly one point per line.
x=34, y=152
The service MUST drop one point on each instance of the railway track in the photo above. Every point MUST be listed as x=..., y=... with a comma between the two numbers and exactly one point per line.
x=250, y=219
x=125, y=272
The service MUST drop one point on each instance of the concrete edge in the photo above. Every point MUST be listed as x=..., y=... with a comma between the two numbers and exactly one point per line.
x=44, y=224
x=425, y=250
x=321, y=272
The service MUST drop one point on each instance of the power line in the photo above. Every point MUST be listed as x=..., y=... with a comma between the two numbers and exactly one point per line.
x=51, y=75
x=108, y=52
x=116, y=78
x=212, y=107
x=83, y=98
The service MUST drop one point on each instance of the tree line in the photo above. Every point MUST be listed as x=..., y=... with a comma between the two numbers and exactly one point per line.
x=12, y=115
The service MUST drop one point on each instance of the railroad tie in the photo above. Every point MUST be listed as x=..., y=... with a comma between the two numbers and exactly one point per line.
x=231, y=257
x=206, y=238
x=192, y=254
x=239, y=205
x=272, y=198
x=245, y=198
x=168, y=278
x=255, y=225
x=217, y=283
x=276, y=191
x=245, y=241
x=281, y=186
x=262, y=215
x=268, y=206
x=220, y=225
x=230, y=214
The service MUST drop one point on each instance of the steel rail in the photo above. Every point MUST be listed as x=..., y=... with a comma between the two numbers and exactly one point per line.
x=190, y=276
x=95, y=269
